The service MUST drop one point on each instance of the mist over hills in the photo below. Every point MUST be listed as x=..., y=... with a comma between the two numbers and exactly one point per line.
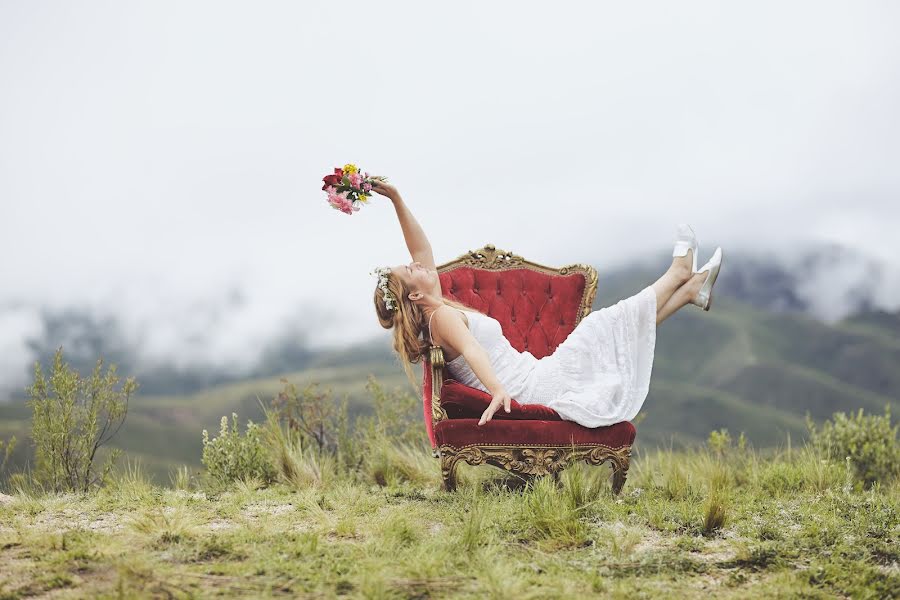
x=828, y=283
x=759, y=362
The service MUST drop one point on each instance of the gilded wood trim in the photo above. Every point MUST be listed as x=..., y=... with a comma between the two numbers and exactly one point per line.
x=437, y=381
x=534, y=459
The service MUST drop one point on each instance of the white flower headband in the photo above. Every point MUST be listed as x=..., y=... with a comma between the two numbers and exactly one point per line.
x=382, y=272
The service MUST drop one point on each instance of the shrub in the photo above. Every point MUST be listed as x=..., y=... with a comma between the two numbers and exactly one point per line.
x=231, y=457
x=398, y=416
x=720, y=442
x=9, y=446
x=294, y=463
x=390, y=446
x=311, y=415
x=72, y=418
x=868, y=441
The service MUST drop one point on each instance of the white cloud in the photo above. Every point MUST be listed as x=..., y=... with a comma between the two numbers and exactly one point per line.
x=156, y=156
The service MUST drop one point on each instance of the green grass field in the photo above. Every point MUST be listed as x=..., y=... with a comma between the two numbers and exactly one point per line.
x=687, y=524
x=777, y=521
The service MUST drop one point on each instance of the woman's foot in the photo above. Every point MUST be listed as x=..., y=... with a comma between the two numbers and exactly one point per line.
x=703, y=297
x=684, y=263
x=696, y=290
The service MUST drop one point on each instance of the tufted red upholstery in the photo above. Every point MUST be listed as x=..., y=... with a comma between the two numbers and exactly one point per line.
x=536, y=311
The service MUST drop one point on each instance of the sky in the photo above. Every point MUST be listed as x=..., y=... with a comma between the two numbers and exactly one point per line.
x=161, y=162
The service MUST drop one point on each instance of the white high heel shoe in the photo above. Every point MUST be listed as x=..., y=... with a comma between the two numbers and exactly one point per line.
x=704, y=296
x=686, y=240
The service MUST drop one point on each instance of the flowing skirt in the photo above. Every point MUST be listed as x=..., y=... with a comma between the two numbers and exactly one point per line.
x=600, y=374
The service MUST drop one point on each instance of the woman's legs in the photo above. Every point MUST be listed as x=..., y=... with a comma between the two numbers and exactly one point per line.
x=681, y=297
x=677, y=275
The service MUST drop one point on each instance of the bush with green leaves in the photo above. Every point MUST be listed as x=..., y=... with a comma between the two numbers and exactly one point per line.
x=868, y=441
x=232, y=456
x=72, y=418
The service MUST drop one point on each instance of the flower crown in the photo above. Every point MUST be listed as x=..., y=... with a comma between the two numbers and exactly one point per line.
x=389, y=300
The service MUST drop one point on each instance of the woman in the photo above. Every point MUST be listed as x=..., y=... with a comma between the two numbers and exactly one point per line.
x=599, y=375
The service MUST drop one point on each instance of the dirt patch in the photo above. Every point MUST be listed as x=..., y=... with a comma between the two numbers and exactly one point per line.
x=220, y=525
x=255, y=510
x=106, y=523
x=717, y=551
x=650, y=539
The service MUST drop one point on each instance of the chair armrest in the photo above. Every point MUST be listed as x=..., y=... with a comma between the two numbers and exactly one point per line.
x=437, y=381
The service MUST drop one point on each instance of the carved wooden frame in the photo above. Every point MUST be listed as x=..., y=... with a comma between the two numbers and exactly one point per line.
x=522, y=459
x=535, y=460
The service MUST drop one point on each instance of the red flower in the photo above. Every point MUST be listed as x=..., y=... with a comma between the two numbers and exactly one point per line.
x=333, y=179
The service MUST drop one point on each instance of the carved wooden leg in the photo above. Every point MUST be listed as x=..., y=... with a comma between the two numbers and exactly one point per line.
x=617, y=458
x=449, y=459
x=620, y=472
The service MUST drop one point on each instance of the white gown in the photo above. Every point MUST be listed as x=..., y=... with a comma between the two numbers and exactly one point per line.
x=599, y=375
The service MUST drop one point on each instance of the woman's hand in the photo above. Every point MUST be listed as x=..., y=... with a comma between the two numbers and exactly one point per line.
x=501, y=398
x=385, y=189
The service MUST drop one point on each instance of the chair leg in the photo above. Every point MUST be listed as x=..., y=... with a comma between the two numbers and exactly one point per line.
x=620, y=472
x=449, y=461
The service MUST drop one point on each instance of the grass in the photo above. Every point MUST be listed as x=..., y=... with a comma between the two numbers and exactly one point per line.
x=732, y=524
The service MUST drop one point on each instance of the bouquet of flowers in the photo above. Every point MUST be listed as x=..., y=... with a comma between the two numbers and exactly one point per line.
x=348, y=189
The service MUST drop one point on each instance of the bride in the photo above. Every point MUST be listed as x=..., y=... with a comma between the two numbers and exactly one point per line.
x=599, y=375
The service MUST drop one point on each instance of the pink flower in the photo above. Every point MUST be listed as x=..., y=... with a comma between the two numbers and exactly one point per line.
x=367, y=187
x=339, y=201
x=355, y=179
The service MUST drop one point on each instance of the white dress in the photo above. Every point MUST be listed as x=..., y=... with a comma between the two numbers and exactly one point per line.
x=599, y=375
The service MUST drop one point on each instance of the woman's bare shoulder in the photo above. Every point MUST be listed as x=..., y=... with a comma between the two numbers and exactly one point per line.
x=452, y=312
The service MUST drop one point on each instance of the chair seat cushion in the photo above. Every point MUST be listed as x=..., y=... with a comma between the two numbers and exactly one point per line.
x=463, y=402
x=460, y=433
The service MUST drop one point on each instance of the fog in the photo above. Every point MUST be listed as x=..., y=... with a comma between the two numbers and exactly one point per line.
x=161, y=162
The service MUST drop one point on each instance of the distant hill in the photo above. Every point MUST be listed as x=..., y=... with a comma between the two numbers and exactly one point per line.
x=744, y=365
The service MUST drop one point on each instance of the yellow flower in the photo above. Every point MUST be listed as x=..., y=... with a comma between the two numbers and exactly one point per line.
x=363, y=197
x=349, y=168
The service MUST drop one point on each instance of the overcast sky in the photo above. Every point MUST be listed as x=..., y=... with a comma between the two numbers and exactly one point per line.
x=161, y=161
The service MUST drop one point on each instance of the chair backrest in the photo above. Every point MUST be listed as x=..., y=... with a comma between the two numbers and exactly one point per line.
x=537, y=306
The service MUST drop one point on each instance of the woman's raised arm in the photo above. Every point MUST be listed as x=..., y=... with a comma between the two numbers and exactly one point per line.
x=416, y=241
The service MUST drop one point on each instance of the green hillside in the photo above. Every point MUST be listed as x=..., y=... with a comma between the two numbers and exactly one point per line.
x=734, y=367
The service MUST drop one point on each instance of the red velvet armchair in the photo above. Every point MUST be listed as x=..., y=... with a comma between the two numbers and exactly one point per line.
x=537, y=307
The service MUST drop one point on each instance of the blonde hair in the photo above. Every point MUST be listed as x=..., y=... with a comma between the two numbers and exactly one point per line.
x=408, y=322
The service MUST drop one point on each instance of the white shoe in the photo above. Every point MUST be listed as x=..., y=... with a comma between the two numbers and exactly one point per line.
x=704, y=296
x=686, y=240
